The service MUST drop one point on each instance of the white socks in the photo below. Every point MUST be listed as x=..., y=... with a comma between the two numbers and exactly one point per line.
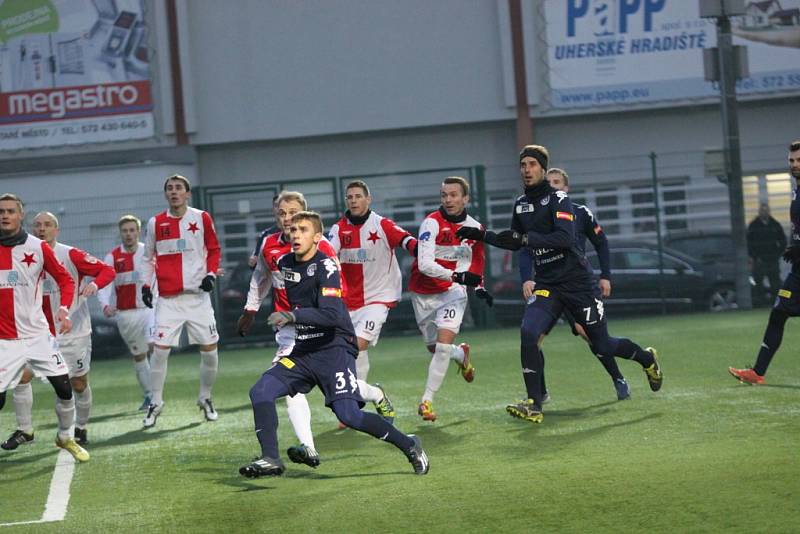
x=437, y=369
x=65, y=411
x=23, y=407
x=369, y=393
x=209, y=363
x=300, y=418
x=143, y=375
x=362, y=365
x=83, y=405
x=158, y=374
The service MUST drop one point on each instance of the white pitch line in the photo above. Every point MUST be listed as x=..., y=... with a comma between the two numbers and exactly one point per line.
x=58, y=496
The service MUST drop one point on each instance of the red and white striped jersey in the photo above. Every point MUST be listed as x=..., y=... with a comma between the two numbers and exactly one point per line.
x=268, y=276
x=79, y=265
x=366, y=252
x=22, y=269
x=183, y=250
x=126, y=291
x=440, y=253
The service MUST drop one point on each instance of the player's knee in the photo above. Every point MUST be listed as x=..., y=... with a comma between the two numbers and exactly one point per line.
x=778, y=317
x=79, y=384
x=348, y=413
x=62, y=386
x=267, y=389
x=605, y=346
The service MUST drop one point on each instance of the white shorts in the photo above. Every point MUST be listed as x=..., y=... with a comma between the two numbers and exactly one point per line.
x=136, y=327
x=77, y=352
x=284, y=337
x=439, y=311
x=40, y=353
x=368, y=321
x=191, y=309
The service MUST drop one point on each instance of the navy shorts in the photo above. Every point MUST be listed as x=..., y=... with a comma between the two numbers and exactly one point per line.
x=332, y=369
x=788, y=299
x=582, y=307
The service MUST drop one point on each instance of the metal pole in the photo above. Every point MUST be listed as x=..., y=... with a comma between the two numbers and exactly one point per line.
x=486, y=316
x=733, y=162
x=657, y=204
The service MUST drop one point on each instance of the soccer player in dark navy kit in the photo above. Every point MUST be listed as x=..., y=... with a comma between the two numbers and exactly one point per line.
x=323, y=355
x=586, y=228
x=543, y=220
x=787, y=303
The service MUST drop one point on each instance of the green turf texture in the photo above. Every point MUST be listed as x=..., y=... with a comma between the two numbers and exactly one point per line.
x=705, y=454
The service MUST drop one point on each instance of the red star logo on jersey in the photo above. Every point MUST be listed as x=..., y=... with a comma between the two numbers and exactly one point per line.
x=160, y=335
x=28, y=259
x=193, y=227
x=373, y=236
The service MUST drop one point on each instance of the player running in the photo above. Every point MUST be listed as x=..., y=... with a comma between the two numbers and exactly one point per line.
x=444, y=266
x=586, y=227
x=543, y=220
x=365, y=243
x=182, y=248
x=25, y=338
x=123, y=300
x=787, y=304
x=76, y=345
x=322, y=355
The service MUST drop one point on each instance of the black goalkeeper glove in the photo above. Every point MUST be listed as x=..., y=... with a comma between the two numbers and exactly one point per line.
x=792, y=254
x=207, y=284
x=466, y=278
x=147, y=296
x=281, y=318
x=470, y=232
x=484, y=295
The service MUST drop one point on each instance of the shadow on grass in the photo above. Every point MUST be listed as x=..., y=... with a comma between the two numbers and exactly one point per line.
x=234, y=409
x=138, y=436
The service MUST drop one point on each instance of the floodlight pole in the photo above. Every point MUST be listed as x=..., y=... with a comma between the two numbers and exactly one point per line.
x=732, y=152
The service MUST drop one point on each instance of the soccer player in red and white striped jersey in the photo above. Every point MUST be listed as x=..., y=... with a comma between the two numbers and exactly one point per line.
x=76, y=345
x=446, y=264
x=25, y=337
x=123, y=300
x=182, y=254
x=366, y=244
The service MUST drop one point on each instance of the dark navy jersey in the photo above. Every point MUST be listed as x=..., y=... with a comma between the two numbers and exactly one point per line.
x=794, y=215
x=586, y=227
x=314, y=292
x=549, y=222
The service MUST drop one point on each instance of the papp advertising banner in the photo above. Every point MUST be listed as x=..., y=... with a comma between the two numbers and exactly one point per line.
x=616, y=52
x=73, y=71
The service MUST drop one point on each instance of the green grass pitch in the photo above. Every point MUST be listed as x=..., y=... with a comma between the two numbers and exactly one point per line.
x=705, y=454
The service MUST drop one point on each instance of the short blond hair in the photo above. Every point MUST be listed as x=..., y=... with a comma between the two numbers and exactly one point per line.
x=295, y=196
x=14, y=198
x=130, y=218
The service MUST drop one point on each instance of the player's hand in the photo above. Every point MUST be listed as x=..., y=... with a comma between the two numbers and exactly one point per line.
x=510, y=240
x=484, y=295
x=605, y=287
x=470, y=232
x=89, y=290
x=466, y=278
x=207, y=284
x=527, y=289
x=147, y=296
x=792, y=254
x=109, y=311
x=245, y=322
x=251, y=261
x=62, y=317
x=281, y=318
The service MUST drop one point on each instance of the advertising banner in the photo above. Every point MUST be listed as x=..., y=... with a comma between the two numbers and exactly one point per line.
x=73, y=72
x=616, y=52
